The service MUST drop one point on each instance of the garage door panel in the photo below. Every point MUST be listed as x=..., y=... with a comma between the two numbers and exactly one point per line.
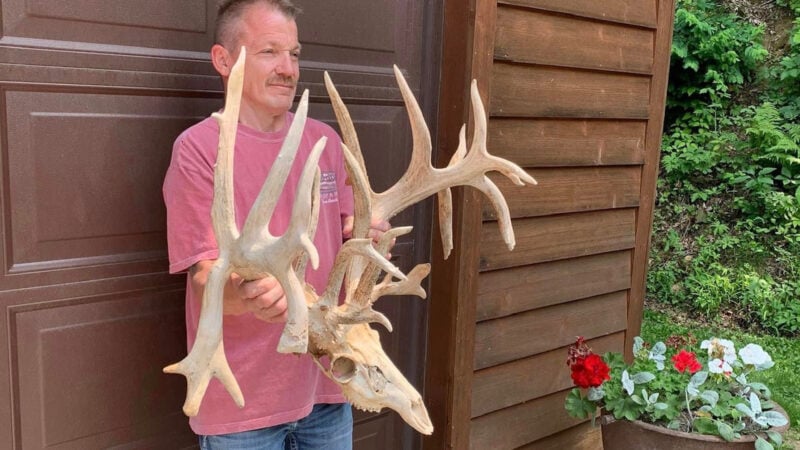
x=176, y=24
x=84, y=186
x=88, y=369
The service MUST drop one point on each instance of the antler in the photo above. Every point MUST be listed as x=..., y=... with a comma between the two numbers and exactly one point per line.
x=355, y=352
x=254, y=253
x=421, y=179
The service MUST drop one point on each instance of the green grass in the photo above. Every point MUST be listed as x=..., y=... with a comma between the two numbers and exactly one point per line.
x=783, y=378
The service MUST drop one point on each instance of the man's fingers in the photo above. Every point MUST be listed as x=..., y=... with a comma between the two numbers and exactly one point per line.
x=347, y=227
x=275, y=312
x=255, y=288
x=380, y=225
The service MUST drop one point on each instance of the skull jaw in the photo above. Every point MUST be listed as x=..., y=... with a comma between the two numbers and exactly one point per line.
x=369, y=379
x=361, y=394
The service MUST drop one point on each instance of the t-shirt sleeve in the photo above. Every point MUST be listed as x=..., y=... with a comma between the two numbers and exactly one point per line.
x=188, y=192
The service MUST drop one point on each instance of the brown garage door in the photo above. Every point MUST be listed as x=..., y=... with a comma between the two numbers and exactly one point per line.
x=91, y=96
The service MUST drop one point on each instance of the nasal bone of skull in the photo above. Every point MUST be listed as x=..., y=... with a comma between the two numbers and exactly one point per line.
x=343, y=369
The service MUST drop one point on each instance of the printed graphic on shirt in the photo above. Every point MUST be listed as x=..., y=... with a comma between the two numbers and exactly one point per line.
x=327, y=188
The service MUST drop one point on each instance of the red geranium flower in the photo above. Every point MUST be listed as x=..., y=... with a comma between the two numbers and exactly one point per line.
x=589, y=371
x=684, y=361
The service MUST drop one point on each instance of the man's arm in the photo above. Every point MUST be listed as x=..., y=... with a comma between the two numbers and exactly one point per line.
x=264, y=297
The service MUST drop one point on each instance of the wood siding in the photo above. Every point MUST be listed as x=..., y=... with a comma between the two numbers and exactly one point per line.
x=576, y=96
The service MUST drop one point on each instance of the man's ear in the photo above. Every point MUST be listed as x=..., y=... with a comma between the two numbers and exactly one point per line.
x=222, y=60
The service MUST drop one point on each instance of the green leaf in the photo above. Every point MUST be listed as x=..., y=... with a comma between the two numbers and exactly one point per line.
x=775, y=437
x=638, y=344
x=705, y=426
x=699, y=378
x=775, y=419
x=627, y=382
x=595, y=393
x=725, y=431
x=761, y=444
x=643, y=377
x=710, y=397
x=579, y=407
x=762, y=388
x=755, y=403
x=745, y=410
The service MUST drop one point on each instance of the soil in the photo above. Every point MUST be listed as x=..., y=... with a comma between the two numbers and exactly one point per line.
x=777, y=21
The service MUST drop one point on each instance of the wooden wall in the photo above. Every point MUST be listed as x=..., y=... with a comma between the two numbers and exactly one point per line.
x=576, y=92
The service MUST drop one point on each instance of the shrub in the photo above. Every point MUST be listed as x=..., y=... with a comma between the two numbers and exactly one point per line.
x=727, y=222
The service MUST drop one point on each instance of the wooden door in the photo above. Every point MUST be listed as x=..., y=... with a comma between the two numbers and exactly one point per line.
x=92, y=94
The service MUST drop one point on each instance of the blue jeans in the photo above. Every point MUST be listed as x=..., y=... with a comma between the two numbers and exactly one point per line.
x=329, y=426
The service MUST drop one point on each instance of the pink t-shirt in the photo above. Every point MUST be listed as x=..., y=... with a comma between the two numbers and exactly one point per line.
x=277, y=388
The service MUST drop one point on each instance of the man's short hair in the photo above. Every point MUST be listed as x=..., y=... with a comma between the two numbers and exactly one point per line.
x=230, y=12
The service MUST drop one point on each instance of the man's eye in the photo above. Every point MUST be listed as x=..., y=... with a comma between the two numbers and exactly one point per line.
x=296, y=55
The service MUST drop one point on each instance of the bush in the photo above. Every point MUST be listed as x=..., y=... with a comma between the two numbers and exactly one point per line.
x=727, y=223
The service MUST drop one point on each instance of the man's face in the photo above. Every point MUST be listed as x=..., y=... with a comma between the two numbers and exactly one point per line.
x=272, y=66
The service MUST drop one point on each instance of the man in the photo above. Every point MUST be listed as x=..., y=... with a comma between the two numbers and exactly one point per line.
x=289, y=402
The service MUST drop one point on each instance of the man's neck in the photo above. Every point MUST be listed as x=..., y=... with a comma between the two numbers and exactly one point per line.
x=262, y=122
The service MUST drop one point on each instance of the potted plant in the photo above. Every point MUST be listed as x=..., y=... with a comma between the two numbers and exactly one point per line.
x=677, y=395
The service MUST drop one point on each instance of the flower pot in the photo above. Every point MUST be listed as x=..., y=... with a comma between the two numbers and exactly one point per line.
x=629, y=435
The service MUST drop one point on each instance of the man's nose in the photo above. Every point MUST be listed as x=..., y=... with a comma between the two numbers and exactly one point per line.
x=286, y=64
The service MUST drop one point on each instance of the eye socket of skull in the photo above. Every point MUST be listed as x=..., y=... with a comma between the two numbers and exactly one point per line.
x=343, y=369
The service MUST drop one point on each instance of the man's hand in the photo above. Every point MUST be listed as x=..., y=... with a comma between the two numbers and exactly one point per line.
x=376, y=228
x=264, y=298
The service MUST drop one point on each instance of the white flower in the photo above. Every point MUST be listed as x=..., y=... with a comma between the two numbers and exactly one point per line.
x=720, y=348
x=753, y=354
x=719, y=366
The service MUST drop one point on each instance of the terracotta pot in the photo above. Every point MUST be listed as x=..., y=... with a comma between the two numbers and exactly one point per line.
x=630, y=435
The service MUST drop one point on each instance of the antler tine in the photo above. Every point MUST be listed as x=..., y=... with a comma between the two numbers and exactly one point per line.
x=421, y=137
x=362, y=192
x=478, y=150
x=258, y=218
x=367, y=280
x=349, y=135
x=354, y=162
x=362, y=203
x=306, y=209
x=411, y=286
x=507, y=168
x=300, y=269
x=222, y=206
x=445, y=198
x=357, y=175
